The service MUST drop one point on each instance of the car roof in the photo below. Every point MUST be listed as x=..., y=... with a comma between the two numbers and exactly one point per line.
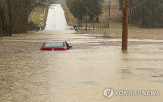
x=55, y=41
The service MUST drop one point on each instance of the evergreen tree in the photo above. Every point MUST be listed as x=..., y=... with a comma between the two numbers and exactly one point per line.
x=79, y=7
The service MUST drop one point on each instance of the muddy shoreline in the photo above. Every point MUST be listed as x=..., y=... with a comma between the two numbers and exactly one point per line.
x=155, y=34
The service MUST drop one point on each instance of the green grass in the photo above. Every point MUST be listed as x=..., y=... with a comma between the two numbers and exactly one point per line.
x=71, y=20
x=107, y=25
x=39, y=16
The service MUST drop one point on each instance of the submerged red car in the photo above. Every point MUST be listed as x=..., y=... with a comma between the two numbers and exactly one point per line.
x=55, y=46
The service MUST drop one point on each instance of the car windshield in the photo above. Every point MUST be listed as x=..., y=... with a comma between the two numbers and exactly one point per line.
x=54, y=44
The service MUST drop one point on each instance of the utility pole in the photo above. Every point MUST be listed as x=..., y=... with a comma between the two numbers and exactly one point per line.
x=125, y=24
x=109, y=8
x=86, y=20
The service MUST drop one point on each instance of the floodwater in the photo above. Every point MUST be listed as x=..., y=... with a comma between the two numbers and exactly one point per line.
x=77, y=75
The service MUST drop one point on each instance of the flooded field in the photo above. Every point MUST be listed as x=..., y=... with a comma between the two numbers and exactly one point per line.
x=80, y=74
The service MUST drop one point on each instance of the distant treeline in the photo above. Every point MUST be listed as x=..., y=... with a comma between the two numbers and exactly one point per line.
x=14, y=15
x=145, y=13
x=82, y=8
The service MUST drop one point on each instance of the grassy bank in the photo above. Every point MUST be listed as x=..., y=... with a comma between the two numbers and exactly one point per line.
x=38, y=17
x=107, y=25
x=71, y=20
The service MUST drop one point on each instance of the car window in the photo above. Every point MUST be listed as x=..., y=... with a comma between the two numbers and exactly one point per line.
x=54, y=44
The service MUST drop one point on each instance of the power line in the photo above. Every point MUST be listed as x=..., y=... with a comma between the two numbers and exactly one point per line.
x=142, y=4
x=88, y=9
x=138, y=5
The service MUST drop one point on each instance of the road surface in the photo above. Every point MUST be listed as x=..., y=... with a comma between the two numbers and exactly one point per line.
x=56, y=18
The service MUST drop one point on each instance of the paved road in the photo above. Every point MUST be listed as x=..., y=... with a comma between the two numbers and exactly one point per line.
x=56, y=18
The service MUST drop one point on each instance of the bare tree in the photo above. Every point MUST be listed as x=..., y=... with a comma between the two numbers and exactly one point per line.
x=14, y=15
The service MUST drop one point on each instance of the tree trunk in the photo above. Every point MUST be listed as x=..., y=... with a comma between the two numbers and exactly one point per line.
x=97, y=18
x=9, y=18
x=1, y=24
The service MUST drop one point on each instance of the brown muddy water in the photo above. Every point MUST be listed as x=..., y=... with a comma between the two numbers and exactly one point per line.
x=80, y=74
